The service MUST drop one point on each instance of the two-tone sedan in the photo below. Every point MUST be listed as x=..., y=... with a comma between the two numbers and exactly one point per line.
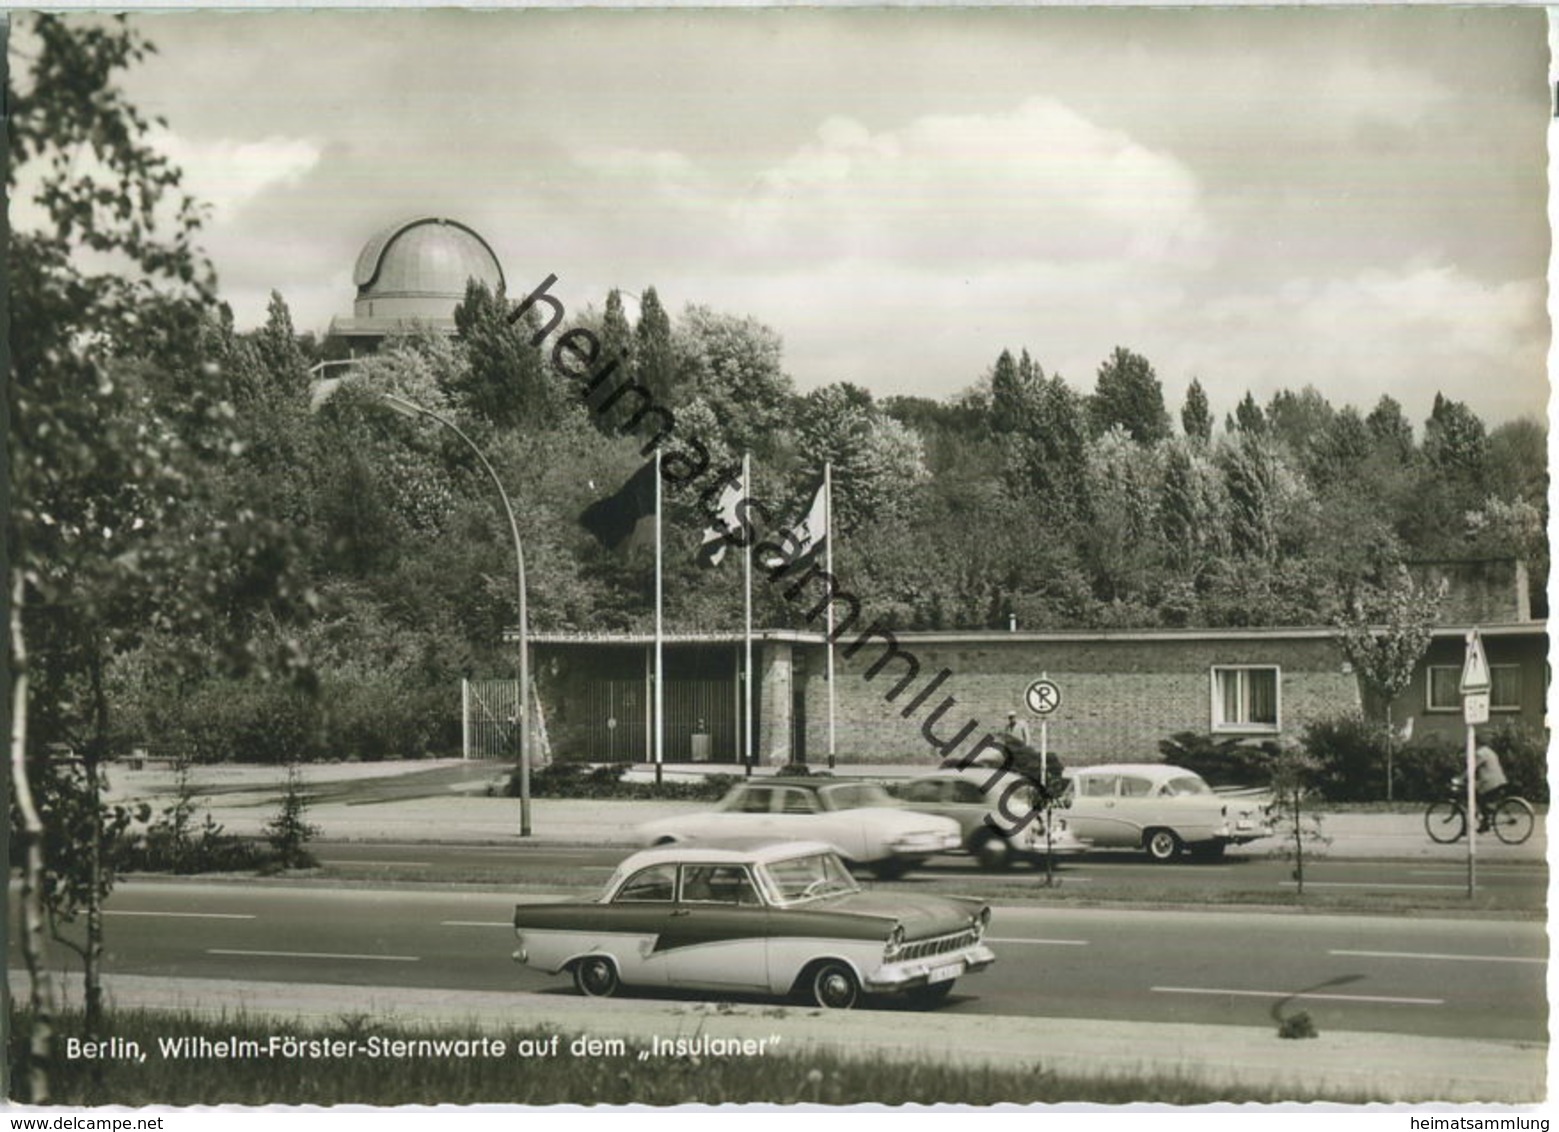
x=1162, y=809
x=779, y=919
x=860, y=820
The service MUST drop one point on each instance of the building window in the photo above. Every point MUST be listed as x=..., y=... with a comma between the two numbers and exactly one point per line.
x=1245, y=698
x=1445, y=681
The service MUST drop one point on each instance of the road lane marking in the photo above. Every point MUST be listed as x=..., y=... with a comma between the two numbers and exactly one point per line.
x=1303, y=994
x=1438, y=955
x=312, y=955
x=1045, y=942
x=1368, y=884
x=476, y=923
x=1482, y=871
x=187, y=915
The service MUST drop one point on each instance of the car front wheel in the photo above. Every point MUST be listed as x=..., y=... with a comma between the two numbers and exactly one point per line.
x=596, y=977
x=1162, y=844
x=992, y=851
x=833, y=986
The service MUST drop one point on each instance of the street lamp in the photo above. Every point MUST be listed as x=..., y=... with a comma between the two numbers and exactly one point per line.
x=411, y=409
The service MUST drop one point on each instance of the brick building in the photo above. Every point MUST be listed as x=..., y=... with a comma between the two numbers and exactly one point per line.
x=906, y=700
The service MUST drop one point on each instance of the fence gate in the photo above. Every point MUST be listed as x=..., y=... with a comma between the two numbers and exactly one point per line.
x=489, y=714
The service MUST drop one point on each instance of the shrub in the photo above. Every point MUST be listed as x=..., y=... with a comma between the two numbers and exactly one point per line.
x=1350, y=756
x=1524, y=757
x=581, y=780
x=1221, y=761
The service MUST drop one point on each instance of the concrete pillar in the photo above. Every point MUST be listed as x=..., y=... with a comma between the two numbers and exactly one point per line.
x=778, y=669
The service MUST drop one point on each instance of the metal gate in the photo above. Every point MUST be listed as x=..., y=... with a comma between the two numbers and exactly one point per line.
x=489, y=714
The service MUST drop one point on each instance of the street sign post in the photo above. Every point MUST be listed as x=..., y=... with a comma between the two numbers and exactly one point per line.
x=1475, y=687
x=1043, y=697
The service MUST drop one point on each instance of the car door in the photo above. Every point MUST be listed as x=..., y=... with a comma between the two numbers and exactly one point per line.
x=796, y=814
x=643, y=911
x=1138, y=806
x=1094, y=813
x=719, y=932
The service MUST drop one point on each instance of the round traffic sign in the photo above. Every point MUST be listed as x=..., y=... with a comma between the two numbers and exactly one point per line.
x=1043, y=697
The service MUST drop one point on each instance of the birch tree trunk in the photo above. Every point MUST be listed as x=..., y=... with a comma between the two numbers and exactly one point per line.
x=41, y=992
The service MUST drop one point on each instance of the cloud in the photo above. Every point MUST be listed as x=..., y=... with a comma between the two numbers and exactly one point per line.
x=1036, y=182
x=228, y=174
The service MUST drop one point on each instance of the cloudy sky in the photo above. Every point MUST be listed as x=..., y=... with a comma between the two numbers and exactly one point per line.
x=1353, y=199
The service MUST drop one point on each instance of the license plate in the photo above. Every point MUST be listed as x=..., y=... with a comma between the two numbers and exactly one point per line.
x=946, y=971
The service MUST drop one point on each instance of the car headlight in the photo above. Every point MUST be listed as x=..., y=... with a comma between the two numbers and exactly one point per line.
x=895, y=942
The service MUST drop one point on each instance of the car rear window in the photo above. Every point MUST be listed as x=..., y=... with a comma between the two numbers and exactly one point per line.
x=658, y=882
x=857, y=794
x=1186, y=784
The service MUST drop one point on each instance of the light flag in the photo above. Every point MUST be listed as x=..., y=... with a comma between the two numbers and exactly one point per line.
x=718, y=534
x=806, y=538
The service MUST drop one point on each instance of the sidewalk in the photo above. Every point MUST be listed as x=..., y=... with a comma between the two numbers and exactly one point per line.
x=459, y=810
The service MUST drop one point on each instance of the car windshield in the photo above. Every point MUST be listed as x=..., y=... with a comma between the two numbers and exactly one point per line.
x=809, y=878
x=1186, y=784
x=854, y=795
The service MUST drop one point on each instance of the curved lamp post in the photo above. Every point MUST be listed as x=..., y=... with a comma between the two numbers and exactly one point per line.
x=412, y=409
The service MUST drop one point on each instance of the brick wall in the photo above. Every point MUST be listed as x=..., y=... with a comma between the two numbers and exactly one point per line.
x=1119, y=697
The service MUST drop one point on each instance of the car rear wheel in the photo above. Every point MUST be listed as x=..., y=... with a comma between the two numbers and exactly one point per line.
x=833, y=986
x=992, y=850
x=596, y=977
x=1161, y=844
x=891, y=869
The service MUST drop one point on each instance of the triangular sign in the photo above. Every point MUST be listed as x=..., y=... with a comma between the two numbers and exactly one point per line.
x=1475, y=672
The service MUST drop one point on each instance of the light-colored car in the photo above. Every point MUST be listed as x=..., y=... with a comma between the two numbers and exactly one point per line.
x=860, y=820
x=1162, y=809
x=780, y=919
x=999, y=813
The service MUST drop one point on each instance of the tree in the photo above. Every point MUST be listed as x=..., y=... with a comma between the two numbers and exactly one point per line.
x=877, y=462
x=1128, y=395
x=1195, y=416
x=503, y=381
x=654, y=351
x=1391, y=430
x=115, y=539
x=1248, y=417
x=1384, y=633
x=281, y=355
x=733, y=364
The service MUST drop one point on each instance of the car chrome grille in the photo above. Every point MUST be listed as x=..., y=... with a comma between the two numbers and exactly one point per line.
x=941, y=945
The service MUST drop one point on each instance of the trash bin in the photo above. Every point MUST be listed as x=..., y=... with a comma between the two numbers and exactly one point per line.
x=700, y=746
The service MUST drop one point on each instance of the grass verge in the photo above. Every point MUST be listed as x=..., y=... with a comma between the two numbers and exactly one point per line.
x=522, y=1075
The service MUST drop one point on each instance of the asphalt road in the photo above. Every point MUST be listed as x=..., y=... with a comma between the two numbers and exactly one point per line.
x=1525, y=884
x=1468, y=977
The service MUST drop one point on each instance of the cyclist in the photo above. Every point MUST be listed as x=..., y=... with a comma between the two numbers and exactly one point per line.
x=1488, y=781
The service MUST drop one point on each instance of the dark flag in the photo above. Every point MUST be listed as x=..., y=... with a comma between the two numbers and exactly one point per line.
x=612, y=520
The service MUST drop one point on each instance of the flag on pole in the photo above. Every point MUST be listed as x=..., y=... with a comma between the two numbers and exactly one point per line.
x=807, y=538
x=614, y=519
x=724, y=523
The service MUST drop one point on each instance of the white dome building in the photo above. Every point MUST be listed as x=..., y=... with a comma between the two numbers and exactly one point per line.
x=413, y=274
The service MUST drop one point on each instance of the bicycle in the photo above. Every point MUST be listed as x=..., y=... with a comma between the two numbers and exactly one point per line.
x=1511, y=819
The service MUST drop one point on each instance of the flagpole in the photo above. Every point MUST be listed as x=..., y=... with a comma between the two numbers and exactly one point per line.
x=828, y=565
x=660, y=670
x=747, y=624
